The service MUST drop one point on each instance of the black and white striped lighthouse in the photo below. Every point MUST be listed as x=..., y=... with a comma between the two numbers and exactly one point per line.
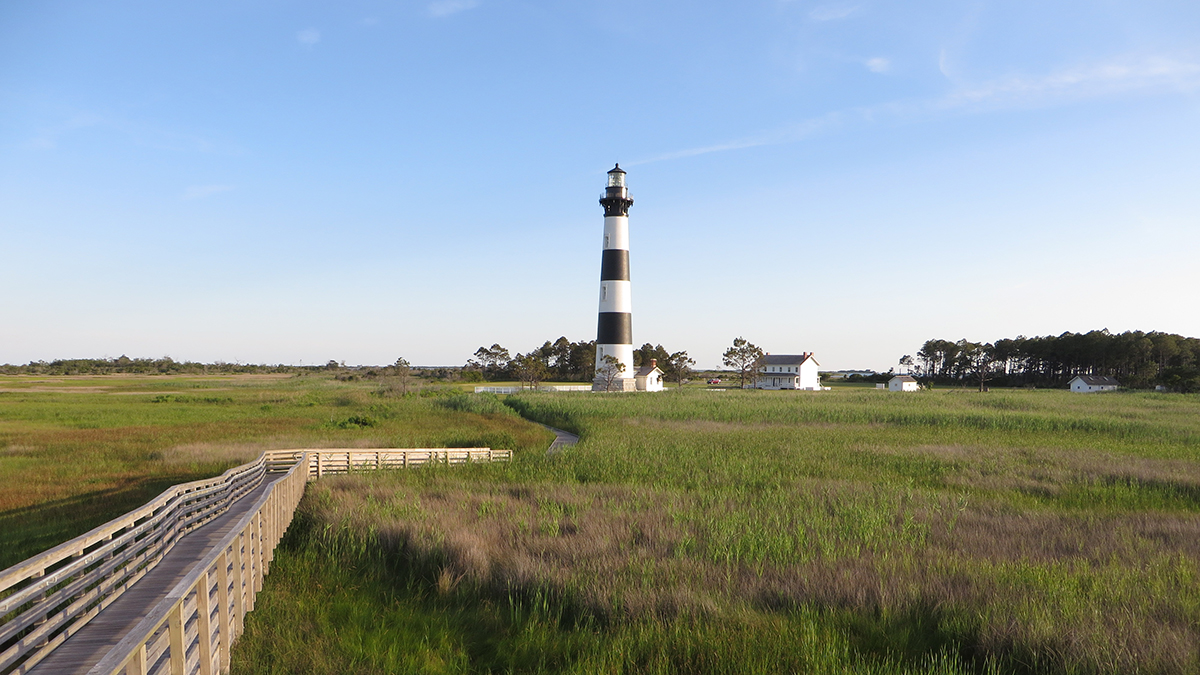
x=614, y=333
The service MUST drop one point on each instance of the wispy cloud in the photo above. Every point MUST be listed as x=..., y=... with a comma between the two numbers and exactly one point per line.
x=444, y=8
x=202, y=191
x=878, y=64
x=308, y=37
x=1126, y=76
x=1114, y=77
x=833, y=12
x=789, y=134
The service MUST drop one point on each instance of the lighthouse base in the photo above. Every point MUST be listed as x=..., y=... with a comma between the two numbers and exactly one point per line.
x=618, y=384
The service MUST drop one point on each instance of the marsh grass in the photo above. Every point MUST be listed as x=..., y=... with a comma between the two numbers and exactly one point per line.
x=78, y=451
x=849, y=531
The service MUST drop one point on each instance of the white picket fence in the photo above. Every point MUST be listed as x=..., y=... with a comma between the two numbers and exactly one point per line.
x=517, y=390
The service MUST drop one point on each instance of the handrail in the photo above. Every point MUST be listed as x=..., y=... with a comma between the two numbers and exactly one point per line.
x=51, y=596
x=236, y=567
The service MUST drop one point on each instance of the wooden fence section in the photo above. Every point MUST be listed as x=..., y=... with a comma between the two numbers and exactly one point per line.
x=48, y=598
x=345, y=461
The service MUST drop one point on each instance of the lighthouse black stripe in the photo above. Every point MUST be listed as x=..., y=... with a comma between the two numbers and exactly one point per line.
x=616, y=328
x=615, y=265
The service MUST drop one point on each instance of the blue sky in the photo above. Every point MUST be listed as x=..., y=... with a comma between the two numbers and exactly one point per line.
x=297, y=182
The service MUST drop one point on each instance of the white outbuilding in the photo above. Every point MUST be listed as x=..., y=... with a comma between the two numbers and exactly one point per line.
x=789, y=371
x=649, y=378
x=1091, y=384
x=903, y=383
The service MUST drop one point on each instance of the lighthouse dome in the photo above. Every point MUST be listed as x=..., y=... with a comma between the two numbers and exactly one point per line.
x=616, y=177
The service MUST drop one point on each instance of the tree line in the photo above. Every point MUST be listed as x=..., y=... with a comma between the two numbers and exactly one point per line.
x=1136, y=359
x=160, y=366
x=565, y=361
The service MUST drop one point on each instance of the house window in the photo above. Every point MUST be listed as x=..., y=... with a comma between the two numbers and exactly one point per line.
x=606, y=241
x=603, y=291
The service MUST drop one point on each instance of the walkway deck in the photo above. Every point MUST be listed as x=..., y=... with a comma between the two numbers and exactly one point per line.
x=562, y=439
x=85, y=649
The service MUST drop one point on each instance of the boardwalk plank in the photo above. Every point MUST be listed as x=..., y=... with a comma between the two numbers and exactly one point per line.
x=84, y=649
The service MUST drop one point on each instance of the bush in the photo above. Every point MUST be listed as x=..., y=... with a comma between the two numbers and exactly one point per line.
x=356, y=422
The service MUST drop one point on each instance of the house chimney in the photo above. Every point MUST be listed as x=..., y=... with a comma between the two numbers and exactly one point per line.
x=653, y=363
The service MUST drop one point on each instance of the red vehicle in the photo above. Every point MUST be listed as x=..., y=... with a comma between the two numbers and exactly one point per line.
x=715, y=380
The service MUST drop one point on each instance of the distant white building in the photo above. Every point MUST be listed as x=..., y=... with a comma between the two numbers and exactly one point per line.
x=903, y=383
x=789, y=371
x=1090, y=384
x=649, y=378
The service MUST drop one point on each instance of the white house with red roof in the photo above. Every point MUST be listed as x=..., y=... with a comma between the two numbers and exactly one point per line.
x=789, y=371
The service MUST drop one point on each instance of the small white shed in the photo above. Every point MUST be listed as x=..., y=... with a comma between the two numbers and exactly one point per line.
x=649, y=378
x=903, y=383
x=1091, y=384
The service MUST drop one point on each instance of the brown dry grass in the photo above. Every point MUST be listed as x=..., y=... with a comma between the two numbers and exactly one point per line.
x=987, y=572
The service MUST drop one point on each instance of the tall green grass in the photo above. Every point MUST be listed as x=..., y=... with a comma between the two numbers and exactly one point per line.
x=698, y=531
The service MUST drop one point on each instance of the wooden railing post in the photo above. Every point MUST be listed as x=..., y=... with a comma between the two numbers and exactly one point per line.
x=204, y=624
x=258, y=554
x=175, y=629
x=224, y=625
x=239, y=602
x=137, y=664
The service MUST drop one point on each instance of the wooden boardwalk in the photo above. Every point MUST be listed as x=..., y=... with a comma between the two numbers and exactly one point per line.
x=166, y=587
x=562, y=439
x=85, y=649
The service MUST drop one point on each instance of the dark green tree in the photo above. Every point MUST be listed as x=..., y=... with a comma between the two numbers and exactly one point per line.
x=678, y=367
x=744, y=357
x=530, y=369
x=493, y=361
x=403, y=371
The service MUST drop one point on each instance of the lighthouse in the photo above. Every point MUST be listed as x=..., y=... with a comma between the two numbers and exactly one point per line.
x=614, y=332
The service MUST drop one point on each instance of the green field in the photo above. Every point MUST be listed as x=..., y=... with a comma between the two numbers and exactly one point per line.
x=848, y=531
x=696, y=531
x=76, y=452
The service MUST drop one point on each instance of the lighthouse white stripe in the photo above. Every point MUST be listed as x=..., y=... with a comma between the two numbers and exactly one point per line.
x=616, y=232
x=623, y=353
x=616, y=296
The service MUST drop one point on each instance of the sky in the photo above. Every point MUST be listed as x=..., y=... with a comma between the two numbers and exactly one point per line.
x=265, y=181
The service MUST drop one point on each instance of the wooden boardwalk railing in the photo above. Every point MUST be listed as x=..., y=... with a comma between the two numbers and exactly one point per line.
x=52, y=596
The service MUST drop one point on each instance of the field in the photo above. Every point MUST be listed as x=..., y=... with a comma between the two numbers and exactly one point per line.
x=76, y=452
x=726, y=532
x=694, y=531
